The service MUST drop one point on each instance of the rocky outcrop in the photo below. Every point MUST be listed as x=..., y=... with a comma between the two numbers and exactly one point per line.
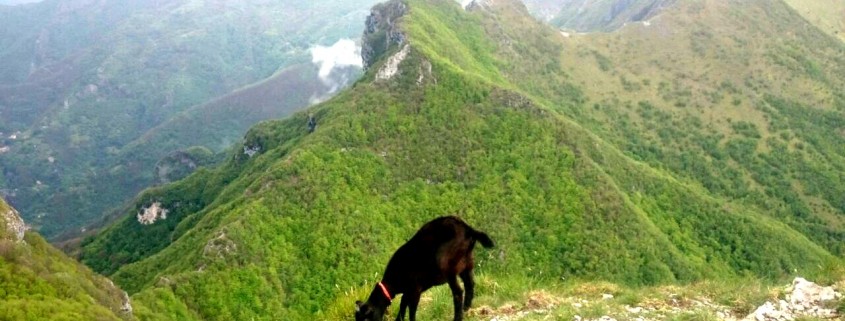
x=479, y=5
x=382, y=31
x=803, y=299
x=391, y=67
x=12, y=226
x=126, y=306
x=219, y=247
x=151, y=214
x=250, y=151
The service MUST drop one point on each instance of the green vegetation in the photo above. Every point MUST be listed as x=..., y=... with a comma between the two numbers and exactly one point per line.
x=772, y=146
x=584, y=162
x=38, y=282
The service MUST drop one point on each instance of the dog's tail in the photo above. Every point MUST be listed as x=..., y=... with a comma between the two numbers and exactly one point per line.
x=483, y=238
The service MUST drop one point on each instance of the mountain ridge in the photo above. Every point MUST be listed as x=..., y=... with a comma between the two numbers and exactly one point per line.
x=500, y=130
x=596, y=15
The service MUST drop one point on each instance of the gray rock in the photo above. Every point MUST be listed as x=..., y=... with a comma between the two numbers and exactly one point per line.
x=803, y=299
x=14, y=226
x=127, y=304
x=382, y=31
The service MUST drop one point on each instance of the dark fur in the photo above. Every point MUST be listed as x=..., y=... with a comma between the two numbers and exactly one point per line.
x=439, y=253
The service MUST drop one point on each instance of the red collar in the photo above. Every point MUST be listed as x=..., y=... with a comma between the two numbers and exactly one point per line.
x=384, y=290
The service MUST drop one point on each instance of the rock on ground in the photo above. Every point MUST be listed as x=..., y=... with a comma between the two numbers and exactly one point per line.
x=803, y=299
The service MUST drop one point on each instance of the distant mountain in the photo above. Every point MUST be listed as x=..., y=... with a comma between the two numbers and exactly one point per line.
x=16, y=2
x=704, y=143
x=595, y=15
x=38, y=282
x=608, y=15
x=94, y=93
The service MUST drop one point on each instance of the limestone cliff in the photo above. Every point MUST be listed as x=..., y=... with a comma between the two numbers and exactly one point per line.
x=382, y=30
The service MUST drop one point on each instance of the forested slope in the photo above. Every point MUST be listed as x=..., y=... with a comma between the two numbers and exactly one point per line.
x=38, y=282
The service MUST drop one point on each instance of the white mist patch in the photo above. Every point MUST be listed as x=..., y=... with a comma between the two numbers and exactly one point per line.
x=337, y=63
x=344, y=53
x=465, y=3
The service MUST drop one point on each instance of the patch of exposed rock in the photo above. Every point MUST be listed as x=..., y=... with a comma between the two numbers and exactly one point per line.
x=152, y=214
x=126, y=303
x=126, y=307
x=250, y=151
x=538, y=302
x=541, y=304
x=382, y=31
x=13, y=226
x=425, y=71
x=219, y=246
x=479, y=5
x=803, y=299
x=391, y=67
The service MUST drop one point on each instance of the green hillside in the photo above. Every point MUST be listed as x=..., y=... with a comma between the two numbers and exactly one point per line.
x=750, y=116
x=585, y=158
x=827, y=15
x=38, y=282
x=92, y=92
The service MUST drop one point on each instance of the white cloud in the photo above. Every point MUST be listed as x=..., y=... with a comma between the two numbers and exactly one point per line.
x=344, y=53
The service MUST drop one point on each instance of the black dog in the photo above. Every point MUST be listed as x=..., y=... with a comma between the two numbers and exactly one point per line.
x=440, y=252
